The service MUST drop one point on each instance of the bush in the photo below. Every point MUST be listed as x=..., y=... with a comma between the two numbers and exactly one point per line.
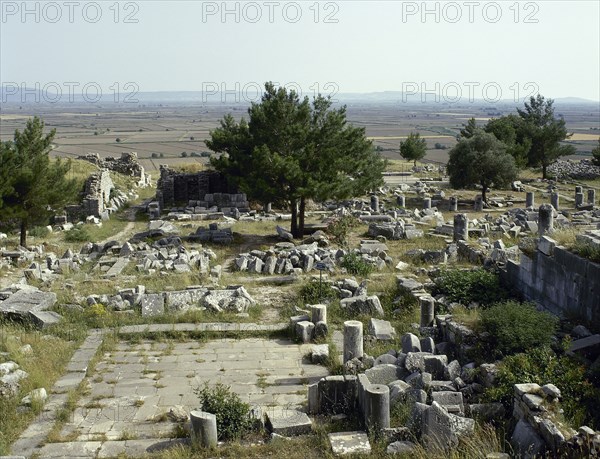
x=39, y=231
x=466, y=286
x=78, y=234
x=340, y=228
x=233, y=415
x=311, y=293
x=356, y=265
x=588, y=251
x=517, y=327
x=580, y=400
x=155, y=155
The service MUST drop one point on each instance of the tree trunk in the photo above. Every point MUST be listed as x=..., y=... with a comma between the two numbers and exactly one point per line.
x=544, y=170
x=23, y=240
x=415, y=163
x=483, y=194
x=294, y=225
x=301, y=217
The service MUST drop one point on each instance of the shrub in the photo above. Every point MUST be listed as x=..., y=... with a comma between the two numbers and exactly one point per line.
x=340, y=228
x=580, y=400
x=357, y=265
x=586, y=250
x=466, y=286
x=77, y=234
x=312, y=293
x=233, y=415
x=517, y=327
x=39, y=231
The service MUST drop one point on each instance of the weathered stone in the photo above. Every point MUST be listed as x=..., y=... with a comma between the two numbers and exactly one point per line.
x=410, y=343
x=381, y=329
x=401, y=447
x=525, y=441
x=427, y=305
x=153, y=305
x=304, y=331
x=345, y=443
x=377, y=407
x=44, y=319
x=353, y=339
x=289, y=423
x=319, y=353
x=204, y=428
x=21, y=303
x=384, y=374
x=447, y=399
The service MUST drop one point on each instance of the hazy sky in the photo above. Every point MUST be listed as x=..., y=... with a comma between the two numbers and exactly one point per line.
x=358, y=46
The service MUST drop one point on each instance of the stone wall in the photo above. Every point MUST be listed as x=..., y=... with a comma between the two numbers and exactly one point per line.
x=561, y=281
x=127, y=164
x=97, y=193
x=180, y=188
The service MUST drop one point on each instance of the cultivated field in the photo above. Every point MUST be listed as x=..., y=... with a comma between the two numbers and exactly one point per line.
x=173, y=130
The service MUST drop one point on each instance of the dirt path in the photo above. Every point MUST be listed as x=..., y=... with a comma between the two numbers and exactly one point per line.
x=129, y=215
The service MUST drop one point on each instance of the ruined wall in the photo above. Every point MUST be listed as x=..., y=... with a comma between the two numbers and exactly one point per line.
x=561, y=281
x=97, y=193
x=127, y=164
x=179, y=188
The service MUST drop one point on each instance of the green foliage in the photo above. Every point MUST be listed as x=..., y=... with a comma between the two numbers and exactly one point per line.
x=78, y=233
x=356, y=265
x=545, y=133
x=340, y=227
x=586, y=250
x=596, y=154
x=439, y=146
x=312, y=293
x=291, y=151
x=233, y=415
x=541, y=365
x=517, y=327
x=32, y=187
x=413, y=148
x=510, y=130
x=481, y=160
x=39, y=231
x=466, y=286
x=468, y=130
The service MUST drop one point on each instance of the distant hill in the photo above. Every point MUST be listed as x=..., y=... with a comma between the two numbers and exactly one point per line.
x=8, y=95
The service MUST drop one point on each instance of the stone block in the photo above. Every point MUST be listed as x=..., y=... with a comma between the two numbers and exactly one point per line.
x=346, y=443
x=153, y=305
x=381, y=329
x=384, y=374
x=289, y=423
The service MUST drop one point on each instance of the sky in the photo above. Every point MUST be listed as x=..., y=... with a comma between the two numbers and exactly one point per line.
x=504, y=49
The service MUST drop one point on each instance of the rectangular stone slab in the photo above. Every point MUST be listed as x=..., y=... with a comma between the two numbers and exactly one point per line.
x=22, y=302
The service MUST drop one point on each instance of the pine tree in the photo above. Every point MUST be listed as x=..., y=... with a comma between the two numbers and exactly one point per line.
x=291, y=151
x=37, y=186
x=413, y=148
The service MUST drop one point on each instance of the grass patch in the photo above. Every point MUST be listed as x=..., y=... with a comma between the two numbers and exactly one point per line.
x=45, y=364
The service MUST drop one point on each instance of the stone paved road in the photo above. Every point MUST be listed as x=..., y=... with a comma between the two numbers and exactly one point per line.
x=137, y=384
